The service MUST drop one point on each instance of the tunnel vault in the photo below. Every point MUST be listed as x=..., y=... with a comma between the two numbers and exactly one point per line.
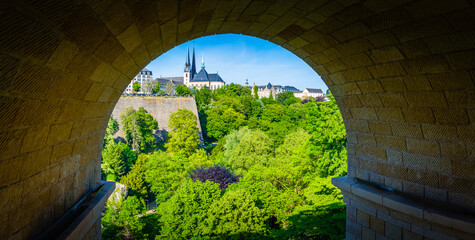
x=402, y=73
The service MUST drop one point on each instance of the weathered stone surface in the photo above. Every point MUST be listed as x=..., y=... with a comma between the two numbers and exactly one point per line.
x=159, y=107
x=401, y=71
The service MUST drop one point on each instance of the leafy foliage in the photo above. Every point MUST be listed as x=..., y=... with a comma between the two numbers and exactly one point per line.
x=112, y=128
x=126, y=219
x=136, y=86
x=117, y=158
x=148, y=85
x=216, y=174
x=169, y=88
x=182, y=89
x=254, y=147
x=286, y=98
x=135, y=179
x=138, y=128
x=286, y=151
x=222, y=120
x=165, y=172
x=235, y=216
x=183, y=214
x=156, y=87
x=183, y=138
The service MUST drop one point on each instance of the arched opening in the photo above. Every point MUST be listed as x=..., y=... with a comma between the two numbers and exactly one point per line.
x=280, y=149
x=401, y=72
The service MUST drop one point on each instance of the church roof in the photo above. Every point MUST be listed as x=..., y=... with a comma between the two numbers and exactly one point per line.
x=175, y=80
x=214, y=77
x=201, y=76
x=204, y=76
x=278, y=87
x=314, y=90
x=290, y=88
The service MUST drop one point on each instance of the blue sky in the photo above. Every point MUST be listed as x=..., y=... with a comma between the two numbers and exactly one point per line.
x=237, y=57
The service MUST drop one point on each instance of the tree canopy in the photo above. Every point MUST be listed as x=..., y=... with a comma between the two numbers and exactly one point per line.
x=184, y=136
x=138, y=128
x=267, y=174
x=136, y=86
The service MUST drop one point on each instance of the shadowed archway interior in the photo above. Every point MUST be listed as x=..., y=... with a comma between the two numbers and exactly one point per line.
x=402, y=73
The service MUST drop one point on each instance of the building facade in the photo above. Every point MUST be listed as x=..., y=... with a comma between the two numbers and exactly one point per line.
x=141, y=77
x=309, y=93
x=267, y=90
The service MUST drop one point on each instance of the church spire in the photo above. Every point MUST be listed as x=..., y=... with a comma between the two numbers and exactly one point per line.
x=202, y=60
x=187, y=63
x=193, y=64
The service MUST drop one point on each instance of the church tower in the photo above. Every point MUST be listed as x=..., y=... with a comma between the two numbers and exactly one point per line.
x=193, y=64
x=187, y=71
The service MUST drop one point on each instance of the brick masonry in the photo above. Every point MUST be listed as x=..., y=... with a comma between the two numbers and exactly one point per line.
x=402, y=73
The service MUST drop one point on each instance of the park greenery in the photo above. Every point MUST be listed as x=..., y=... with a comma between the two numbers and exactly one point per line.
x=267, y=175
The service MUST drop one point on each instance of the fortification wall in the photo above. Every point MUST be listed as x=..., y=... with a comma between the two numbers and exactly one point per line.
x=160, y=108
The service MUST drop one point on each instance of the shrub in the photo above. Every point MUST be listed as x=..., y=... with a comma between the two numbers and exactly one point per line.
x=216, y=174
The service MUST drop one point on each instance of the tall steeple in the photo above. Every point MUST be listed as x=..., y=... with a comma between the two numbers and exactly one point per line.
x=187, y=63
x=202, y=60
x=193, y=64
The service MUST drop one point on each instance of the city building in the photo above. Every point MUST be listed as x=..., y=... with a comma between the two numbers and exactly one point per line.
x=266, y=90
x=141, y=77
x=310, y=92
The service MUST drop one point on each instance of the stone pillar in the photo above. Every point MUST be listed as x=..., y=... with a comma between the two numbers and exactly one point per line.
x=374, y=213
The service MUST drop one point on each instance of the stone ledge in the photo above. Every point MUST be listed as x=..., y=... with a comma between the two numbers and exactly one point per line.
x=413, y=208
x=81, y=225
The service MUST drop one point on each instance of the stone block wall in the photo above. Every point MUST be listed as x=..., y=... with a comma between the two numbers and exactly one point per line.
x=160, y=108
x=402, y=73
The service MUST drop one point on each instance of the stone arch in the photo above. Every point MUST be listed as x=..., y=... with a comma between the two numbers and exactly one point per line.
x=402, y=73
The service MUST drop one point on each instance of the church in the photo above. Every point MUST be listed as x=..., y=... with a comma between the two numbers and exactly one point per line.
x=201, y=79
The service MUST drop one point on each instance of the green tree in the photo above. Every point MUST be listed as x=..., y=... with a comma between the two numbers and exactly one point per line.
x=126, y=219
x=183, y=138
x=235, y=216
x=135, y=180
x=286, y=98
x=255, y=92
x=165, y=172
x=112, y=128
x=251, y=107
x=147, y=86
x=198, y=159
x=273, y=112
x=328, y=148
x=136, y=86
x=268, y=194
x=222, y=120
x=323, y=214
x=182, y=89
x=253, y=148
x=138, y=128
x=117, y=158
x=183, y=215
x=202, y=97
x=156, y=87
x=169, y=88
